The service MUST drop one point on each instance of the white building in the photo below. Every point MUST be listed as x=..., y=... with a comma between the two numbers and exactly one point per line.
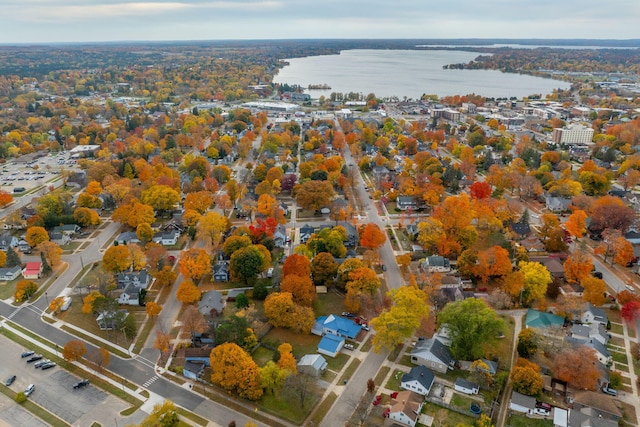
x=574, y=134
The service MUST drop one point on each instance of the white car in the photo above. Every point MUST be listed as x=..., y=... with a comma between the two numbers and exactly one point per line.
x=30, y=389
x=542, y=411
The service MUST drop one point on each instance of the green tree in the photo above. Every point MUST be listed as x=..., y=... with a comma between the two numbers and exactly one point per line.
x=13, y=259
x=163, y=415
x=236, y=330
x=273, y=377
x=246, y=263
x=527, y=343
x=473, y=326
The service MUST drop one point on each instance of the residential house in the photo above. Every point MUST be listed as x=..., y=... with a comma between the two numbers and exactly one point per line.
x=127, y=237
x=330, y=345
x=193, y=369
x=305, y=233
x=411, y=230
x=590, y=332
x=593, y=314
x=10, y=273
x=221, y=272
x=108, y=320
x=435, y=263
x=554, y=266
x=166, y=237
x=24, y=247
x=585, y=417
x=544, y=323
x=211, y=304
x=353, y=237
x=557, y=204
x=405, y=408
x=633, y=237
x=521, y=403
x=131, y=283
x=405, y=203
x=521, y=230
x=69, y=229
x=532, y=244
x=280, y=236
x=8, y=241
x=197, y=354
x=336, y=325
x=59, y=238
x=312, y=364
x=464, y=386
x=433, y=354
x=420, y=380
x=596, y=404
x=32, y=270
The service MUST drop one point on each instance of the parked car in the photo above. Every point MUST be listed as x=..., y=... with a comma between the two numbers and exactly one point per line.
x=34, y=358
x=609, y=391
x=27, y=353
x=541, y=411
x=30, y=389
x=347, y=314
x=48, y=366
x=365, y=327
x=10, y=380
x=383, y=267
x=349, y=346
x=40, y=363
x=81, y=384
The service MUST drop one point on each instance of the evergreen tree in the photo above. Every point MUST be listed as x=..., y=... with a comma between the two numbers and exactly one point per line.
x=12, y=259
x=525, y=217
x=46, y=268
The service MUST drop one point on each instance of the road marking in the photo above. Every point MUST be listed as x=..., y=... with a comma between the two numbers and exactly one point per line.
x=150, y=381
x=13, y=313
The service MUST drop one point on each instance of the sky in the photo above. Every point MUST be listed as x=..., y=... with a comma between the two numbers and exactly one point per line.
x=49, y=21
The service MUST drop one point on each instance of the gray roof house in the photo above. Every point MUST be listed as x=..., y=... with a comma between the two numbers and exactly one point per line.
x=593, y=314
x=60, y=239
x=10, y=273
x=464, y=386
x=557, y=204
x=433, y=354
x=280, y=236
x=8, y=241
x=127, y=237
x=312, y=364
x=221, y=272
x=435, y=263
x=211, y=304
x=521, y=403
x=167, y=237
x=131, y=283
x=69, y=229
x=420, y=380
x=305, y=232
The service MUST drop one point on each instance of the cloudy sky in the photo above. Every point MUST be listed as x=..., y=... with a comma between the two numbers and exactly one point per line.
x=29, y=21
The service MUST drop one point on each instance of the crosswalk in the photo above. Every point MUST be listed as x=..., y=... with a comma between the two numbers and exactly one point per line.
x=151, y=381
x=13, y=313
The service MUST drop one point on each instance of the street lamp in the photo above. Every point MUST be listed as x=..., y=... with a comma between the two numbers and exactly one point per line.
x=46, y=298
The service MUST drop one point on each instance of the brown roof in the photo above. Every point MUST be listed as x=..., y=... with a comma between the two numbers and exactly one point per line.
x=597, y=401
x=407, y=402
x=197, y=352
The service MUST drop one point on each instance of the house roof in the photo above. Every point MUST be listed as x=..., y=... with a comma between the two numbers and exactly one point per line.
x=521, y=228
x=580, y=418
x=33, y=266
x=522, y=400
x=434, y=347
x=221, y=268
x=195, y=366
x=142, y=277
x=330, y=343
x=316, y=361
x=421, y=374
x=540, y=319
x=437, y=261
x=211, y=300
x=408, y=403
x=9, y=270
x=342, y=325
x=461, y=382
x=598, y=401
x=598, y=314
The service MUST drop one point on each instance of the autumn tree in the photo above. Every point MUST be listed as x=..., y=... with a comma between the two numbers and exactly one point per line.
x=594, y=290
x=234, y=243
x=194, y=263
x=323, y=269
x=36, y=235
x=25, y=290
x=301, y=288
x=162, y=341
x=199, y=201
x=74, y=350
x=193, y=322
x=527, y=343
x=5, y=198
x=234, y=370
x=630, y=311
x=298, y=265
x=211, y=228
x=526, y=378
x=372, y=236
x=480, y=190
x=86, y=217
x=536, y=280
x=578, y=266
x=236, y=329
x=286, y=359
x=144, y=233
x=578, y=367
x=152, y=308
x=400, y=321
x=3, y=259
x=188, y=293
x=166, y=276
x=116, y=259
x=56, y=304
x=472, y=326
x=134, y=213
x=273, y=377
x=100, y=357
x=577, y=223
x=363, y=280
x=283, y=312
x=492, y=262
x=160, y=197
x=89, y=301
x=51, y=251
x=610, y=212
x=313, y=195
x=164, y=414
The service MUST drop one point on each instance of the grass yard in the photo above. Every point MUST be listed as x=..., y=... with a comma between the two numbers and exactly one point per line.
x=394, y=380
x=338, y=362
x=302, y=343
x=329, y=303
x=322, y=409
x=461, y=402
x=353, y=366
x=381, y=375
x=281, y=405
x=503, y=348
x=262, y=355
x=446, y=417
x=522, y=421
x=616, y=328
x=7, y=289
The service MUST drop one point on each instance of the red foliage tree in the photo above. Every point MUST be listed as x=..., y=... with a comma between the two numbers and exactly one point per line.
x=480, y=190
x=630, y=311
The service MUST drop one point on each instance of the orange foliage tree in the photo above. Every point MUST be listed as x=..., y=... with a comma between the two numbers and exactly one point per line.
x=153, y=308
x=298, y=265
x=283, y=312
x=372, y=236
x=24, y=290
x=578, y=367
x=287, y=360
x=492, y=262
x=578, y=266
x=577, y=223
x=594, y=290
x=301, y=287
x=74, y=350
x=194, y=263
x=188, y=293
x=116, y=259
x=526, y=377
x=234, y=370
x=5, y=198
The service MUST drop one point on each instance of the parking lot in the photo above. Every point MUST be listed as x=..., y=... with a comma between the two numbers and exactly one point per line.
x=54, y=392
x=34, y=173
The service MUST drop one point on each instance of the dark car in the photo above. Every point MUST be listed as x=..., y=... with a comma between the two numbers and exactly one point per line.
x=27, y=353
x=81, y=384
x=48, y=366
x=34, y=358
x=597, y=274
x=41, y=363
x=10, y=380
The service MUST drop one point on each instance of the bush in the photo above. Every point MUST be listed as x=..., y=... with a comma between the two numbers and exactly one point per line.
x=21, y=397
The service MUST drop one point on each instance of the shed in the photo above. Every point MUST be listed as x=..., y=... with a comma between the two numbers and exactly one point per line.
x=464, y=386
x=312, y=364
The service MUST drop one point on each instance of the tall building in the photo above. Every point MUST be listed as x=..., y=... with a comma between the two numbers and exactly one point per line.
x=574, y=134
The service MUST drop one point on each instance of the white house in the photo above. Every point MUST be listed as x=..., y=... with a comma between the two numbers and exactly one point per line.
x=466, y=387
x=521, y=403
x=312, y=364
x=32, y=270
x=420, y=380
x=406, y=407
x=432, y=354
x=593, y=314
x=435, y=263
x=10, y=273
x=167, y=237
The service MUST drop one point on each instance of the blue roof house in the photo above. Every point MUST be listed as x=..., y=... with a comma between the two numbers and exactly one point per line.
x=330, y=345
x=336, y=325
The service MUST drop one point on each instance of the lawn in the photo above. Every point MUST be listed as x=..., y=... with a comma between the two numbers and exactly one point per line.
x=323, y=409
x=394, y=380
x=353, y=366
x=522, y=421
x=302, y=343
x=461, y=402
x=338, y=362
x=262, y=355
x=280, y=404
x=329, y=303
x=616, y=328
x=7, y=289
x=446, y=417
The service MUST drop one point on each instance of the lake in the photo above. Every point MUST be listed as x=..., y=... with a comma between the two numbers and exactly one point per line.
x=408, y=73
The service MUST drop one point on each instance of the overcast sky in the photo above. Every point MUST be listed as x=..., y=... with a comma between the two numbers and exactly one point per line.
x=29, y=21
